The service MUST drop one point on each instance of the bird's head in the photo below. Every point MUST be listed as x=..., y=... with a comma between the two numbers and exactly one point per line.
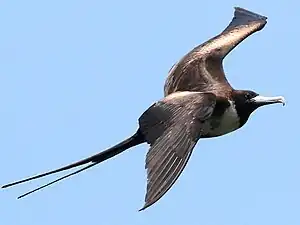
x=247, y=102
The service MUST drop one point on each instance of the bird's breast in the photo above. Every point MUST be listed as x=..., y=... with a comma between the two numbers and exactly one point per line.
x=222, y=124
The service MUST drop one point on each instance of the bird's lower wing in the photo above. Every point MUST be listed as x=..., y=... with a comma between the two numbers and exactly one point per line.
x=166, y=160
x=172, y=128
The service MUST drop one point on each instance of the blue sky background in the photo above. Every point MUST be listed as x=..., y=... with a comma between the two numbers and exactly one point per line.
x=76, y=75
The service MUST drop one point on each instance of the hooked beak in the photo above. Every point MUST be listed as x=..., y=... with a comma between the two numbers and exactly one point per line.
x=261, y=100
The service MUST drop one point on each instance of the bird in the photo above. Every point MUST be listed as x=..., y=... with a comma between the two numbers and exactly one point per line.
x=198, y=103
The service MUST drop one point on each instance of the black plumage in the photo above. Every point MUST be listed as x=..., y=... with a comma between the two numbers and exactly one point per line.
x=199, y=103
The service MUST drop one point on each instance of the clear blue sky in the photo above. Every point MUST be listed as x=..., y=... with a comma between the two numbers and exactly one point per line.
x=75, y=77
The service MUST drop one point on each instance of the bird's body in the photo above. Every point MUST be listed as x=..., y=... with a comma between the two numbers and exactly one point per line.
x=224, y=118
x=222, y=124
x=198, y=103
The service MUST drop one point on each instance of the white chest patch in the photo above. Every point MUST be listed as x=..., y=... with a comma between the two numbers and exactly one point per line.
x=227, y=123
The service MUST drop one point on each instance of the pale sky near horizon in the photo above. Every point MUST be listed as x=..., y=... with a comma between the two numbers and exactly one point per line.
x=75, y=77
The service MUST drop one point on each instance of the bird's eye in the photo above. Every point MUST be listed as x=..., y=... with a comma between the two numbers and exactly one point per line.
x=247, y=95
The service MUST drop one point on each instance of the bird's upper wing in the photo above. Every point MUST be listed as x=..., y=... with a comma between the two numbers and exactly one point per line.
x=201, y=69
x=172, y=127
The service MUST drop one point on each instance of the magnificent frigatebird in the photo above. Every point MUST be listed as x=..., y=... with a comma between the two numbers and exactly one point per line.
x=198, y=103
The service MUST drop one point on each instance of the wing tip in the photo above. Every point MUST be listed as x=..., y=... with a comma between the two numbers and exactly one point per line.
x=239, y=11
x=143, y=208
x=146, y=205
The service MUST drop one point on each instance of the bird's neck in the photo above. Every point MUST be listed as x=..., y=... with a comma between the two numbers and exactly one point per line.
x=242, y=112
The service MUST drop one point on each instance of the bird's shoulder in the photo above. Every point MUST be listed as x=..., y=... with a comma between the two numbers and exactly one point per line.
x=181, y=109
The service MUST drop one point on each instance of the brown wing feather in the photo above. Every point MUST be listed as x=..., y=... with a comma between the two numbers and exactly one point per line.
x=167, y=159
x=172, y=127
x=201, y=69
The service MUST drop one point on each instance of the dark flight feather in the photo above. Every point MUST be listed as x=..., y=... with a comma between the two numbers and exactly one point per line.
x=202, y=69
x=172, y=127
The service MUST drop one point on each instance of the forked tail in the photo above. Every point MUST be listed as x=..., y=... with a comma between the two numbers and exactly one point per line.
x=134, y=140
